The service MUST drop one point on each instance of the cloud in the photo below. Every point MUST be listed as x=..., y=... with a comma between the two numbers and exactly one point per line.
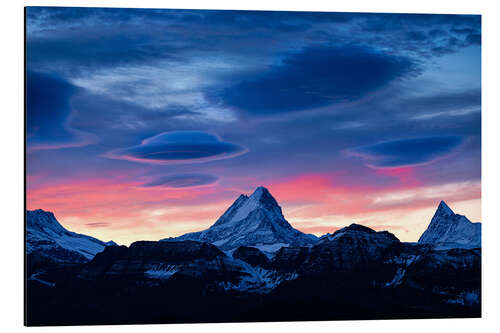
x=92, y=38
x=315, y=77
x=206, y=53
x=49, y=111
x=116, y=122
x=453, y=191
x=97, y=224
x=474, y=39
x=406, y=152
x=182, y=180
x=179, y=147
x=451, y=104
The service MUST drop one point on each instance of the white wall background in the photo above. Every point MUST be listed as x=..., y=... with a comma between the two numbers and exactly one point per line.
x=12, y=161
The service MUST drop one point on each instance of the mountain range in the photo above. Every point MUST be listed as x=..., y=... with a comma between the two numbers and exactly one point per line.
x=252, y=265
x=255, y=220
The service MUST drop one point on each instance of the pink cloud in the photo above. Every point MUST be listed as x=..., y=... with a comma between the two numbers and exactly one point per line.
x=321, y=200
x=406, y=175
x=119, y=204
x=314, y=203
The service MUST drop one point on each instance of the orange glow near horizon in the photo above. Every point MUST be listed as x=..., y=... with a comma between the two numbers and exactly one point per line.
x=313, y=203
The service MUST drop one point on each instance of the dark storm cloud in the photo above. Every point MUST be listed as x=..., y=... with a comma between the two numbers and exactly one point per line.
x=317, y=77
x=182, y=180
x=179, y=147
x=406, y=152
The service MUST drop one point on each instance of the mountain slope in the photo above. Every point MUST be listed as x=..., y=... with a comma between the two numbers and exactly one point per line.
x=255, y=220
x=450, y=230
x=356, y=273
x=174, y=261
x=47, y=238
x=352, y=248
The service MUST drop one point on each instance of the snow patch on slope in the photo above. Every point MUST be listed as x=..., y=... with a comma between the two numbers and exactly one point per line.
x=450, y=230
x=255, y=220
x=45, y=234
x=257, y=279
x=161, y=271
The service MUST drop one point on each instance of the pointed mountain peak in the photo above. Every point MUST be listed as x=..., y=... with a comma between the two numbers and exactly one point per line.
x=259, y=192
x=255, y=220
x=448, y=227
x=262, y=195
x=444, y=209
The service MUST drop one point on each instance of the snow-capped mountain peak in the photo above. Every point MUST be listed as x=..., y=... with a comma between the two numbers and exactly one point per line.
x=47, y=237
x=256, y=220
x=43, y=221
x=449, y=230
x=244, y=206
x=262, y=193
x=444, y=209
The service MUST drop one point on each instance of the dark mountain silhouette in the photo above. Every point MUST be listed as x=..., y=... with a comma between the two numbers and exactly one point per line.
x=354, y=273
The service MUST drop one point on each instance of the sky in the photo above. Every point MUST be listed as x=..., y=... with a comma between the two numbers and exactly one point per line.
x=144, y=124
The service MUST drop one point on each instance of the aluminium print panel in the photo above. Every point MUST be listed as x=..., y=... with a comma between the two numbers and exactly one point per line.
x=193, y=166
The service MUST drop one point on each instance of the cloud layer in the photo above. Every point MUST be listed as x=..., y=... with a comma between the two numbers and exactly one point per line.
x=181, y=180
x=48, y=110
x=315, y=77
x=179, y=147
x=406, y=152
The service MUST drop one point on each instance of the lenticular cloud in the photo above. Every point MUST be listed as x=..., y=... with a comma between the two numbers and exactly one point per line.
x=182, y=181
x=179, y=147
x=406, y=152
